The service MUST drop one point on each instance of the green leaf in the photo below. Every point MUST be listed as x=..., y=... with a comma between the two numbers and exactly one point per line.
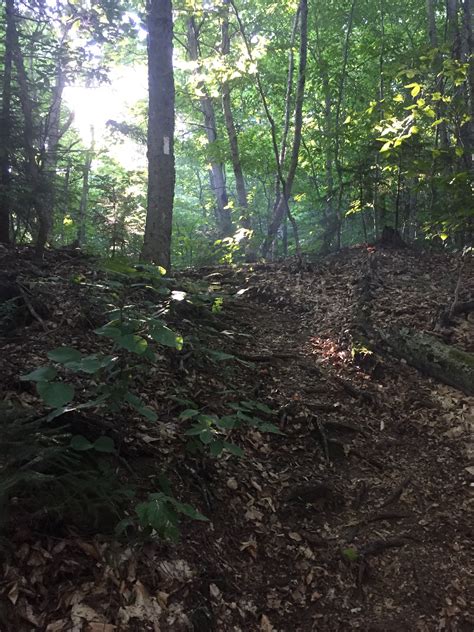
x=265, y=409
x=167, y=337
x=55, y=394
x=119, y=267
x=415, y=88
x=189, y=413
x=105, y=445
x=220, y=356
x=233, y=449
x=81, y=444
x=164, y=484
x=216, y=447
x=206, y=436
x=195, y=430
x=90, y=364
x=267, y=427
x=137, y=403
x=188, y=510
x=148, y=413
x=227, y=422
x=63, y=355
x=123, y=526
x=110, y=330
x=133, y=343
x=351, y=554
x=41, y=374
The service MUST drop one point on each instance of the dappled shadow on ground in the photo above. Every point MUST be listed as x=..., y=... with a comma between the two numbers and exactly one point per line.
x=355, y=517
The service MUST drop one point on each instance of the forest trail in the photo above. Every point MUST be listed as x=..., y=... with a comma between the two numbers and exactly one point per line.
x=357, y=517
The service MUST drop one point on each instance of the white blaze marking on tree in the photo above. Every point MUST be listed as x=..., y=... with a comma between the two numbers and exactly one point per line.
x=166, y=145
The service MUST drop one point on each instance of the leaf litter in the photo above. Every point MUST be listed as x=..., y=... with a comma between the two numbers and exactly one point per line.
x=357, y=516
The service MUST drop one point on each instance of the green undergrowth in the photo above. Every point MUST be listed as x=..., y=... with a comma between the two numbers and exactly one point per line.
x=51, y=471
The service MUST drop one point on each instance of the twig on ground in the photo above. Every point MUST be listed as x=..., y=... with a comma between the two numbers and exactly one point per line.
x=30, y=307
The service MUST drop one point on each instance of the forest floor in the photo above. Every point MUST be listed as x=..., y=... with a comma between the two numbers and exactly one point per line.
x=357, y=517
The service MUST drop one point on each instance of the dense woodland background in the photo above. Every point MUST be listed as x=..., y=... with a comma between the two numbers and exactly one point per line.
x=297, y=127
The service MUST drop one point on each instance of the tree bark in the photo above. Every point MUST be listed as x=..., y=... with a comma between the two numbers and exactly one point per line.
x=84, y=203
x=216, y=171
x=250, y=254
x=432, y=357
x=468, y=57
x=5, y=127
x=338, y=142
x=329, y=221
x=452, y=28
x=431, y=23
x=161, y=164
x=287, y=185
x=38, y=188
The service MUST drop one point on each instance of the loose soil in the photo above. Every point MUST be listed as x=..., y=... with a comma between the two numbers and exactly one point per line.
x=357, y=517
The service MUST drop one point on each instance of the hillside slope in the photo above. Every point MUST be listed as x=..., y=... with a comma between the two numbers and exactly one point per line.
x=357, y=516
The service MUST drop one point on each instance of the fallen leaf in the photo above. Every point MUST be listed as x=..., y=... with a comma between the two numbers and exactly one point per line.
x=265, y=625
x=232, y=484
x=13, y=593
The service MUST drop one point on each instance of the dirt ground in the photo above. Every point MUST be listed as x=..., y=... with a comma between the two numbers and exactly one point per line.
x=358, y=516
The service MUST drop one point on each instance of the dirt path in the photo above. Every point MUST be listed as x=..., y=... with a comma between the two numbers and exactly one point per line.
x=356, y=517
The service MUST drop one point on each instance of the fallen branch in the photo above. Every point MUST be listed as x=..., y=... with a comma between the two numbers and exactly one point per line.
x=354, y=527
x=324, y=439
x=355, y=392
x=431, y=356
x=368, y=459
x=377, y=546
x=31, y=309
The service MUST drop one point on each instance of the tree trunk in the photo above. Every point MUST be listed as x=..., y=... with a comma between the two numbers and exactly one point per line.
x=452, y=28
x=53, y=134
x=250, y=254
x=82, y=220
x=216, y=171
x=431, y=23
x=38, y=188
x=468, y=57
x=5, y=127
x=161, y=165
x=337, y=126
x=287, y=185
x=432, y=357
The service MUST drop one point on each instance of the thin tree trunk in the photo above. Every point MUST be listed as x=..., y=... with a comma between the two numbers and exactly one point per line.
x=161, y=165
x=282, y=207
x=242, y=201
x=36, y=182
x=287, y=184
x=340, y=99
x=65, y=205
x=453, y=35
x=216, y=171
x=83, y=207
x=5, y=127
x=330, y=223
x=468, y=57
x=431, y=23
x=378, y=171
